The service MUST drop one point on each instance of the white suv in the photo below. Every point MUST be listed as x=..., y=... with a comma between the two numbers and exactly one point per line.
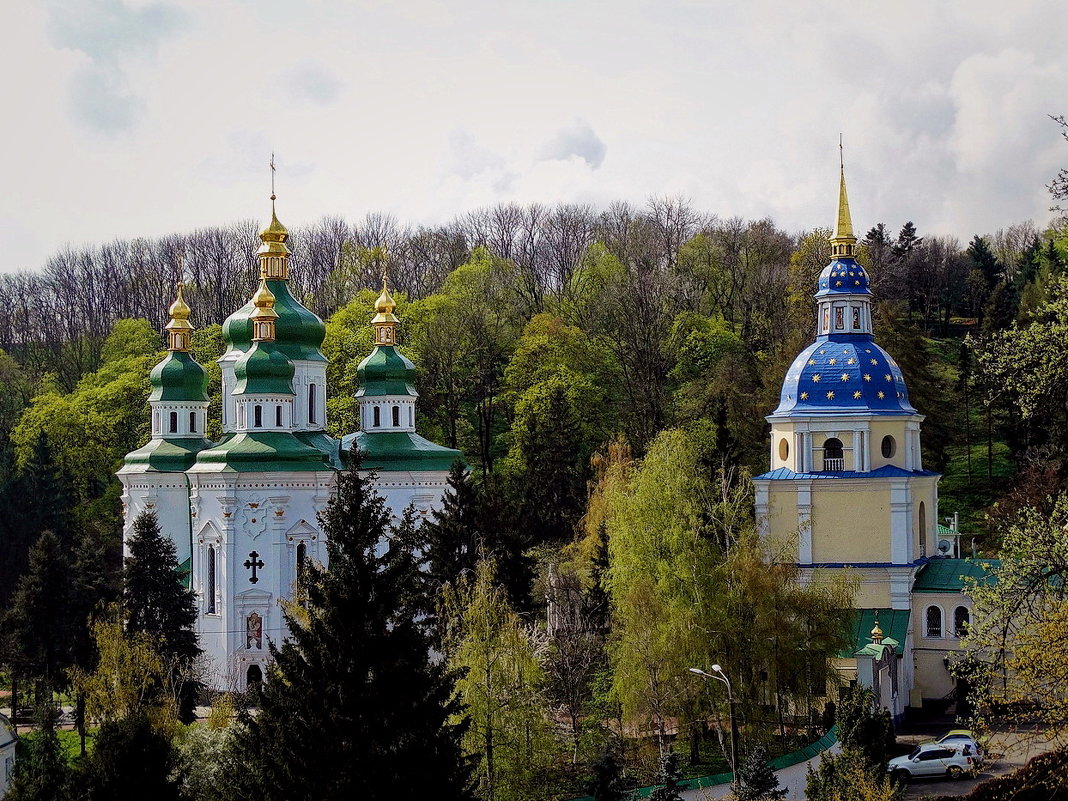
x=932, y=759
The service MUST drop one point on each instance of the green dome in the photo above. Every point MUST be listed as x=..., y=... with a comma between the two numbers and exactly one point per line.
x=386, y=372
x=165, y=455
x=264, y=370
x=299, y=333
x=263, y=452
x=178, y=378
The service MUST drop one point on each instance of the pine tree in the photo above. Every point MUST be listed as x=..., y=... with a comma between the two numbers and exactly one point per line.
x=41, y=772
x=607, y=783
x=157, y=603
x=353, y=706
x=671, y=777
x=454, y=534
x=130, y=759
x=756, y=780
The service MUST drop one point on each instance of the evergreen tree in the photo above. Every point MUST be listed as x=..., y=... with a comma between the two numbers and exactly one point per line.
x=607, y=783
x=131, y=759
x=157, y=603
x=865, y=728
x=454, y=534
x=41, y=772
x=985, y=261
x=671, y=777
x=756, y=780
x=353, y=706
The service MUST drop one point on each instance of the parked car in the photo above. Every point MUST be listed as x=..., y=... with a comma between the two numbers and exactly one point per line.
x=932, y=759
x=967, y=741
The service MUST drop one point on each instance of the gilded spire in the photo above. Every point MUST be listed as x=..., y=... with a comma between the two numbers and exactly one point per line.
x=179, y=329
x=273, y=253
x=877, y=632
x=843, y=242
x=385, y=322
x=263, y=318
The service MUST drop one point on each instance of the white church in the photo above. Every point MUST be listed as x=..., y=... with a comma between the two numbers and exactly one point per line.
x=243, y=512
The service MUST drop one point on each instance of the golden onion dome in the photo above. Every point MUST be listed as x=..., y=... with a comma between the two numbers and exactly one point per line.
x=877, y=632
x=179, y=312
x=263, y=300
x=385, y=306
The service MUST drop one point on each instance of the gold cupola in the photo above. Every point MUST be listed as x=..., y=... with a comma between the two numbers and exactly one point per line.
x=877, y=631
x=385, y=322
x=843, y=242
x=179, y=329
x=273, y=253
x=263, y=318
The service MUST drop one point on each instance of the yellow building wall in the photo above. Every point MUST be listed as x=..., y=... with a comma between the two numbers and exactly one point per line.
x=851, y=526
x=782, y=519
x=933, y=679
x=883, y=428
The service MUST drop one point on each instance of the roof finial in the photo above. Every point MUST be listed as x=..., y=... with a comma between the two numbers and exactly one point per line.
x=843, y=242
x=179, y=329
x=385, y=322
x=272, y=182
x=263, y=316
x=877, y=631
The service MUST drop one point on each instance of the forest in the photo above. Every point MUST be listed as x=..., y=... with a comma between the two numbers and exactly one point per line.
x=606, y=373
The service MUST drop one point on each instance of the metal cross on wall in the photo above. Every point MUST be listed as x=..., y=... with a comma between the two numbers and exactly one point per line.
x=253, y=563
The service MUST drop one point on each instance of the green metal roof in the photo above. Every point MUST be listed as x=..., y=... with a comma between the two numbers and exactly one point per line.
x=185, y=569
x=165, y=455
x=178, y=378
x=386, y=371
x=893, y=622
x=948, y=575
x=299, y=333
x=264, y=370
x=946, y=531
x=400, y=450
x=261, y=452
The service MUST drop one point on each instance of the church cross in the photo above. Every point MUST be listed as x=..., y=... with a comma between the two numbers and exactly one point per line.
x=253, y=563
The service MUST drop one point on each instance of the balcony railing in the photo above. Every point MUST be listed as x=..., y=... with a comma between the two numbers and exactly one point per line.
x=833, y=465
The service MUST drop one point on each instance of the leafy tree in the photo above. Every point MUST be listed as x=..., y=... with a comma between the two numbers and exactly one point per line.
x=849, y=777
x=156, y=603
x=199, y=767
x=756, y=780
x=41, y=772
x=353, y=705
x=864, y=727
x=671, y=779
x=131, y=758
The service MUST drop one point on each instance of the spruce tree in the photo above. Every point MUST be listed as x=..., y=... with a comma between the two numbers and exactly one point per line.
x=352, y=706
x=671, y=777
x=157, y=603
x=756, y=780
x=131, y=759
x=40, y=772
x=607, y=782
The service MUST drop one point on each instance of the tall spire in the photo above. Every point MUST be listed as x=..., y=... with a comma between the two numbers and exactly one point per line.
x=843, y=242
x=385, y=322
x=273, y=253
x=179, y=329
x=264, y=316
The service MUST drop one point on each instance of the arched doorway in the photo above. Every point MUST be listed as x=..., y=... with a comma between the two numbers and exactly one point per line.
x=253, y=679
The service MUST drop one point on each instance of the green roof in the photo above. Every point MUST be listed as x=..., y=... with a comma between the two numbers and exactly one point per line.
x=165, y=455
x=178, y=378
x=400, y=450
x=261, y=452
x=299, y=333
x=264, y=370
x=186, y=571
x=946, y=531
x=948, y=575
x=386, y=371
x=329, y=446
x=893, y=622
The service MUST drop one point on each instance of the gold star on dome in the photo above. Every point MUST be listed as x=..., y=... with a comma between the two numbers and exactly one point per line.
x=875, y=362
x=833, y=361
x=822, y=352
x=851, y=274
x=811, y=362
x=804, y=396
x=857, y=283
x=830, y=395
x=867, y=350
x=837, y=283
x=860, y=272
x=889, y=377
x=816, y=378
x=882, y=395
x=845, y=376
x=851, y=360
x=867, y=376
x=856, y=395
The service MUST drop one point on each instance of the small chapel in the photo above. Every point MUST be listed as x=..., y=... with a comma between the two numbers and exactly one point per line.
x=243, y=512
x=848, y=485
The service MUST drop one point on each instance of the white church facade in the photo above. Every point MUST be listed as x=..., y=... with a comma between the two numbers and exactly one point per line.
x=243, y=512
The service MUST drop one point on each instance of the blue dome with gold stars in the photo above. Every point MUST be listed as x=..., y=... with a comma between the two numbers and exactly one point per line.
x=842, y=376
x=843, y=276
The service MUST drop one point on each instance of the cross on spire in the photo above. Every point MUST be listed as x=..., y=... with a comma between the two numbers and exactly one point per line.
x=273, y=170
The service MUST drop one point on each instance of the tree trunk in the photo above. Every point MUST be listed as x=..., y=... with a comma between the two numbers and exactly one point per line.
x=989, y=446
x=14, y=702
x=79, y=719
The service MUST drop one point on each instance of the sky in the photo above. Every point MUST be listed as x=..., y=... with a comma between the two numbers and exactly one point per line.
x=127, y=118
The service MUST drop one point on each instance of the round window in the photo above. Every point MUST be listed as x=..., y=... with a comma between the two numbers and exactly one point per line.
x=784, y=449
x=889, y=447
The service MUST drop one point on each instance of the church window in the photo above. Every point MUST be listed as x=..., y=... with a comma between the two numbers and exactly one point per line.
x=411, y=417
x=241, y=416
x=784, y=449
x=922, y=533
x=833, y=455
x=258, y=416
x=173, y=425
x=278, y=416
x=961, y=621
x=889, y=447
x=254, y=631
x=211, y=581
x=192, y=422
x=302, y=554
x=155, y=422
x=311, y=403
x=933, y=622
x=856, y=318
x=839, y=318
x=377, y=417
x=396, y=416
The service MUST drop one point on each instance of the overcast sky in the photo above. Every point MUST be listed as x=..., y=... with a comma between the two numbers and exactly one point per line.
x=126, y=118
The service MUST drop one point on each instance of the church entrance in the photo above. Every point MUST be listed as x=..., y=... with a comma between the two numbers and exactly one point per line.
x=253, y=678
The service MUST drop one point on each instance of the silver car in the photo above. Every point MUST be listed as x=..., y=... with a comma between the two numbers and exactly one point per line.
x=932, y=759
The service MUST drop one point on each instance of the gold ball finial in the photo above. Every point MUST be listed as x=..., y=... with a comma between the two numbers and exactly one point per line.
x=179, y=329
x=263, y=300
x=179, y=310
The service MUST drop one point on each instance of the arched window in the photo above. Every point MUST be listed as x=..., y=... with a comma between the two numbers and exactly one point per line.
x=833, y=455
x=241, y=416
x=192, y=422
x=302, y=554
x=889, y=447
x=253, y=678
x=311, y=403
x=411, y=417
x=396, y=416
x=377, y=417
x=922, y=532
x=210, y=592
x=933, y=622
x=173, y=424
x=155, y=422
x=258, y=416
x=961, y=620
x=278, y=416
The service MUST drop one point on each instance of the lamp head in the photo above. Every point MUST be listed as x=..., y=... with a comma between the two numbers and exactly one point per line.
x=717, y=669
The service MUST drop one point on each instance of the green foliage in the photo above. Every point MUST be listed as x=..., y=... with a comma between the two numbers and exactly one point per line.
x=608, y=783
x=354, y=667
x=132, y=759
x=131, y=338
x=40, y=772
x=756, y=780
x=670, y=777
x=864, y=727
x=206, y=347
x=848, y=776
x=1044, y=778
x=199, y=762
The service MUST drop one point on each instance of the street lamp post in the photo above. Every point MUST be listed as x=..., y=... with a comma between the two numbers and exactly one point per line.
x=718, y=674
